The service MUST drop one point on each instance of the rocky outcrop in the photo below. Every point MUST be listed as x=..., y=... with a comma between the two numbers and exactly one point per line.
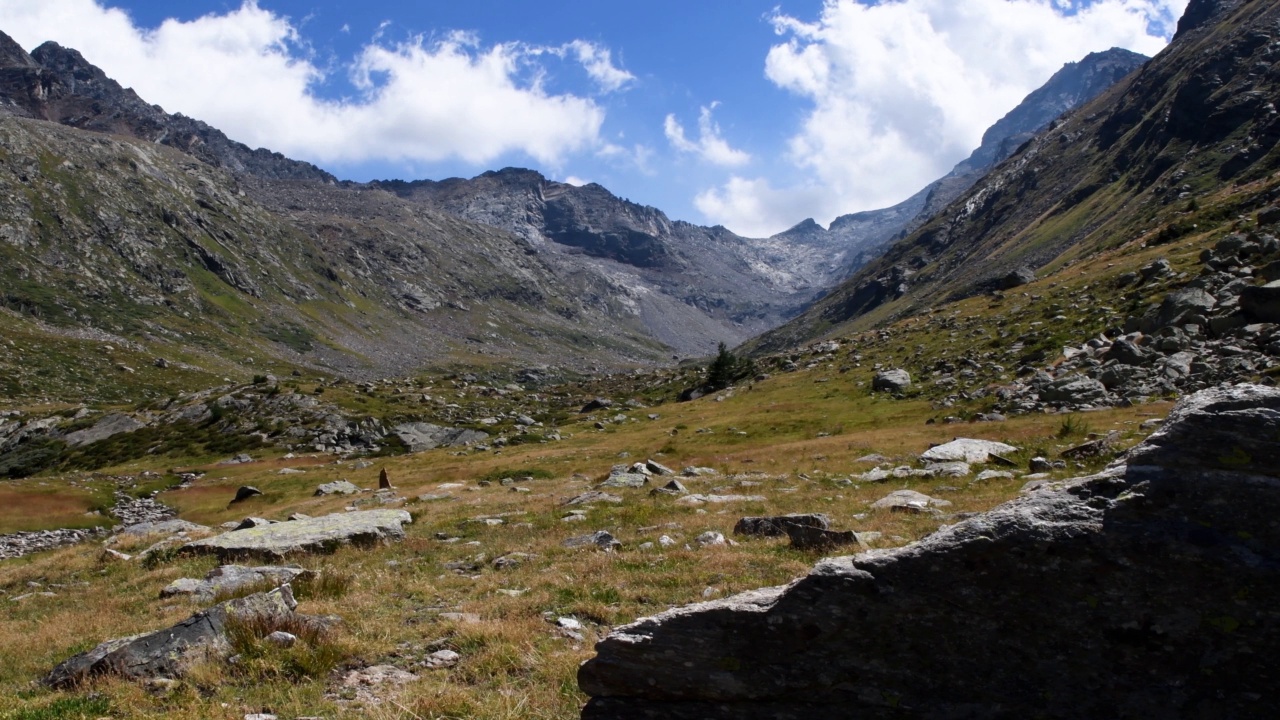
x=313, y=535
x=169, y=652
x=420, y=436
x=1148, y=590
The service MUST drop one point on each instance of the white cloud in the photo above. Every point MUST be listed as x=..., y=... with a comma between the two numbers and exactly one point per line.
x=249, y=73
x=710, y=146
x=598, y=62
x=900, y=90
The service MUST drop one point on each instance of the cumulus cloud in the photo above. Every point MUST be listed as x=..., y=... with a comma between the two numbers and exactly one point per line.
x=250, y=73
x=710, y=146
x=901, y=90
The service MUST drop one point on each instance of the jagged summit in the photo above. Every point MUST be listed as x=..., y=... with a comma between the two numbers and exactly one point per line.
x=59, y=84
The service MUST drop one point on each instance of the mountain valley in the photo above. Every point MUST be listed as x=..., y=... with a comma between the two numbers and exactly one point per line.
x=279, y=445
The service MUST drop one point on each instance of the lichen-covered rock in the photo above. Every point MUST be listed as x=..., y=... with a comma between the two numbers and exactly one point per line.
x=420, y=436
x=167, y=653
x=228, y=579
x=1148, y=590
x=967, y=450
x=314, y=535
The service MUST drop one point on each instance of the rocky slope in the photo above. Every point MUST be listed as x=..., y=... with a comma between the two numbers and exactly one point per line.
x=1144, y=591
x=857, y=238
x=691, y=286
x=1195, y=127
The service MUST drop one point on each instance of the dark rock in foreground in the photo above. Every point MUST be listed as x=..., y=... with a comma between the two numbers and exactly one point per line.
x=167, y=653
x=1148, y=590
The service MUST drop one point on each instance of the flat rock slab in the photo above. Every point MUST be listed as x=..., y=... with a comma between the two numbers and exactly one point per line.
x=162, y=527
x=625, y=480
x=420, y=436
x=966, y=450
x=227, y=579
x=719, y=499
x=908, y=501
x=113, y=424
x=337, y=487
x=316, y=535
x=167, y=653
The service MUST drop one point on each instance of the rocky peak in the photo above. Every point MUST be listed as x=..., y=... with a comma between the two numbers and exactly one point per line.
x=12, y=54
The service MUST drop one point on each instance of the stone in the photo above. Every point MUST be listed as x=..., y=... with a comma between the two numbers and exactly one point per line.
x=420, y=436
x=1017, y=278
x=317, y=535
x=1065, y=602
x=709, y=538
x=245, y=492
x=894, y=381
x=658, y=468
x=674, y=487
x=596, y=404
x=625, y=480
x=252, y=522
x=601, y=539
x=1262, y=302
x=1180, y=305
x=909, y=501
x=337, y=487
x=108, y=426
x=986, y=475
x=966, y=450
x=384, y=482
x=777, y=525
x=1127, y=352
x=804, y=537
x=954, y=469
x=227, y=579
x=442, y=659
x=1074, y=389
x=161, y=527
x=169, y=652
x=719, y=499
x=593, y=496
x=281, y=639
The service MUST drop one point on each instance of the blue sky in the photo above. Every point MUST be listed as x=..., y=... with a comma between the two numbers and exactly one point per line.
x=752, y=114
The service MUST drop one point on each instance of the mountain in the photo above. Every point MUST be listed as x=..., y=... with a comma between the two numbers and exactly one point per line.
x=856, y=238
x=1196, y=126
x=691, y=286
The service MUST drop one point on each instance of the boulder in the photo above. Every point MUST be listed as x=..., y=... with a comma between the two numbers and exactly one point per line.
x=227, y=579
x=1017, y=278
x=602, y=539
x=337, y=487
x=1074, y=389
x=1147, y=590
x=316, y=535
x=909, y=501
x=1178, y=306
x=168, y=653
x=894, y=381
x=673, y=487
x=804, y=537
x=596, y=404
x=777, y=525
x=1262, y=302
x=594, y=496
x=966, y=450
x=160, y=527
x=420, y=436
x=113, y=424
x=625, y=480
x=245, y=492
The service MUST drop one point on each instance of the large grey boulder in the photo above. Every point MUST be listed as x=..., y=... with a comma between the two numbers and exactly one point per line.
x=891, y=381
x=1262, y=302
x=227, y=579
x=113, y=424
x=420, y=436
x=337, y=487
x=969, y=450
x=313, y=535
x=169, y=652
x=1148, y=590
x=1075, y=389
